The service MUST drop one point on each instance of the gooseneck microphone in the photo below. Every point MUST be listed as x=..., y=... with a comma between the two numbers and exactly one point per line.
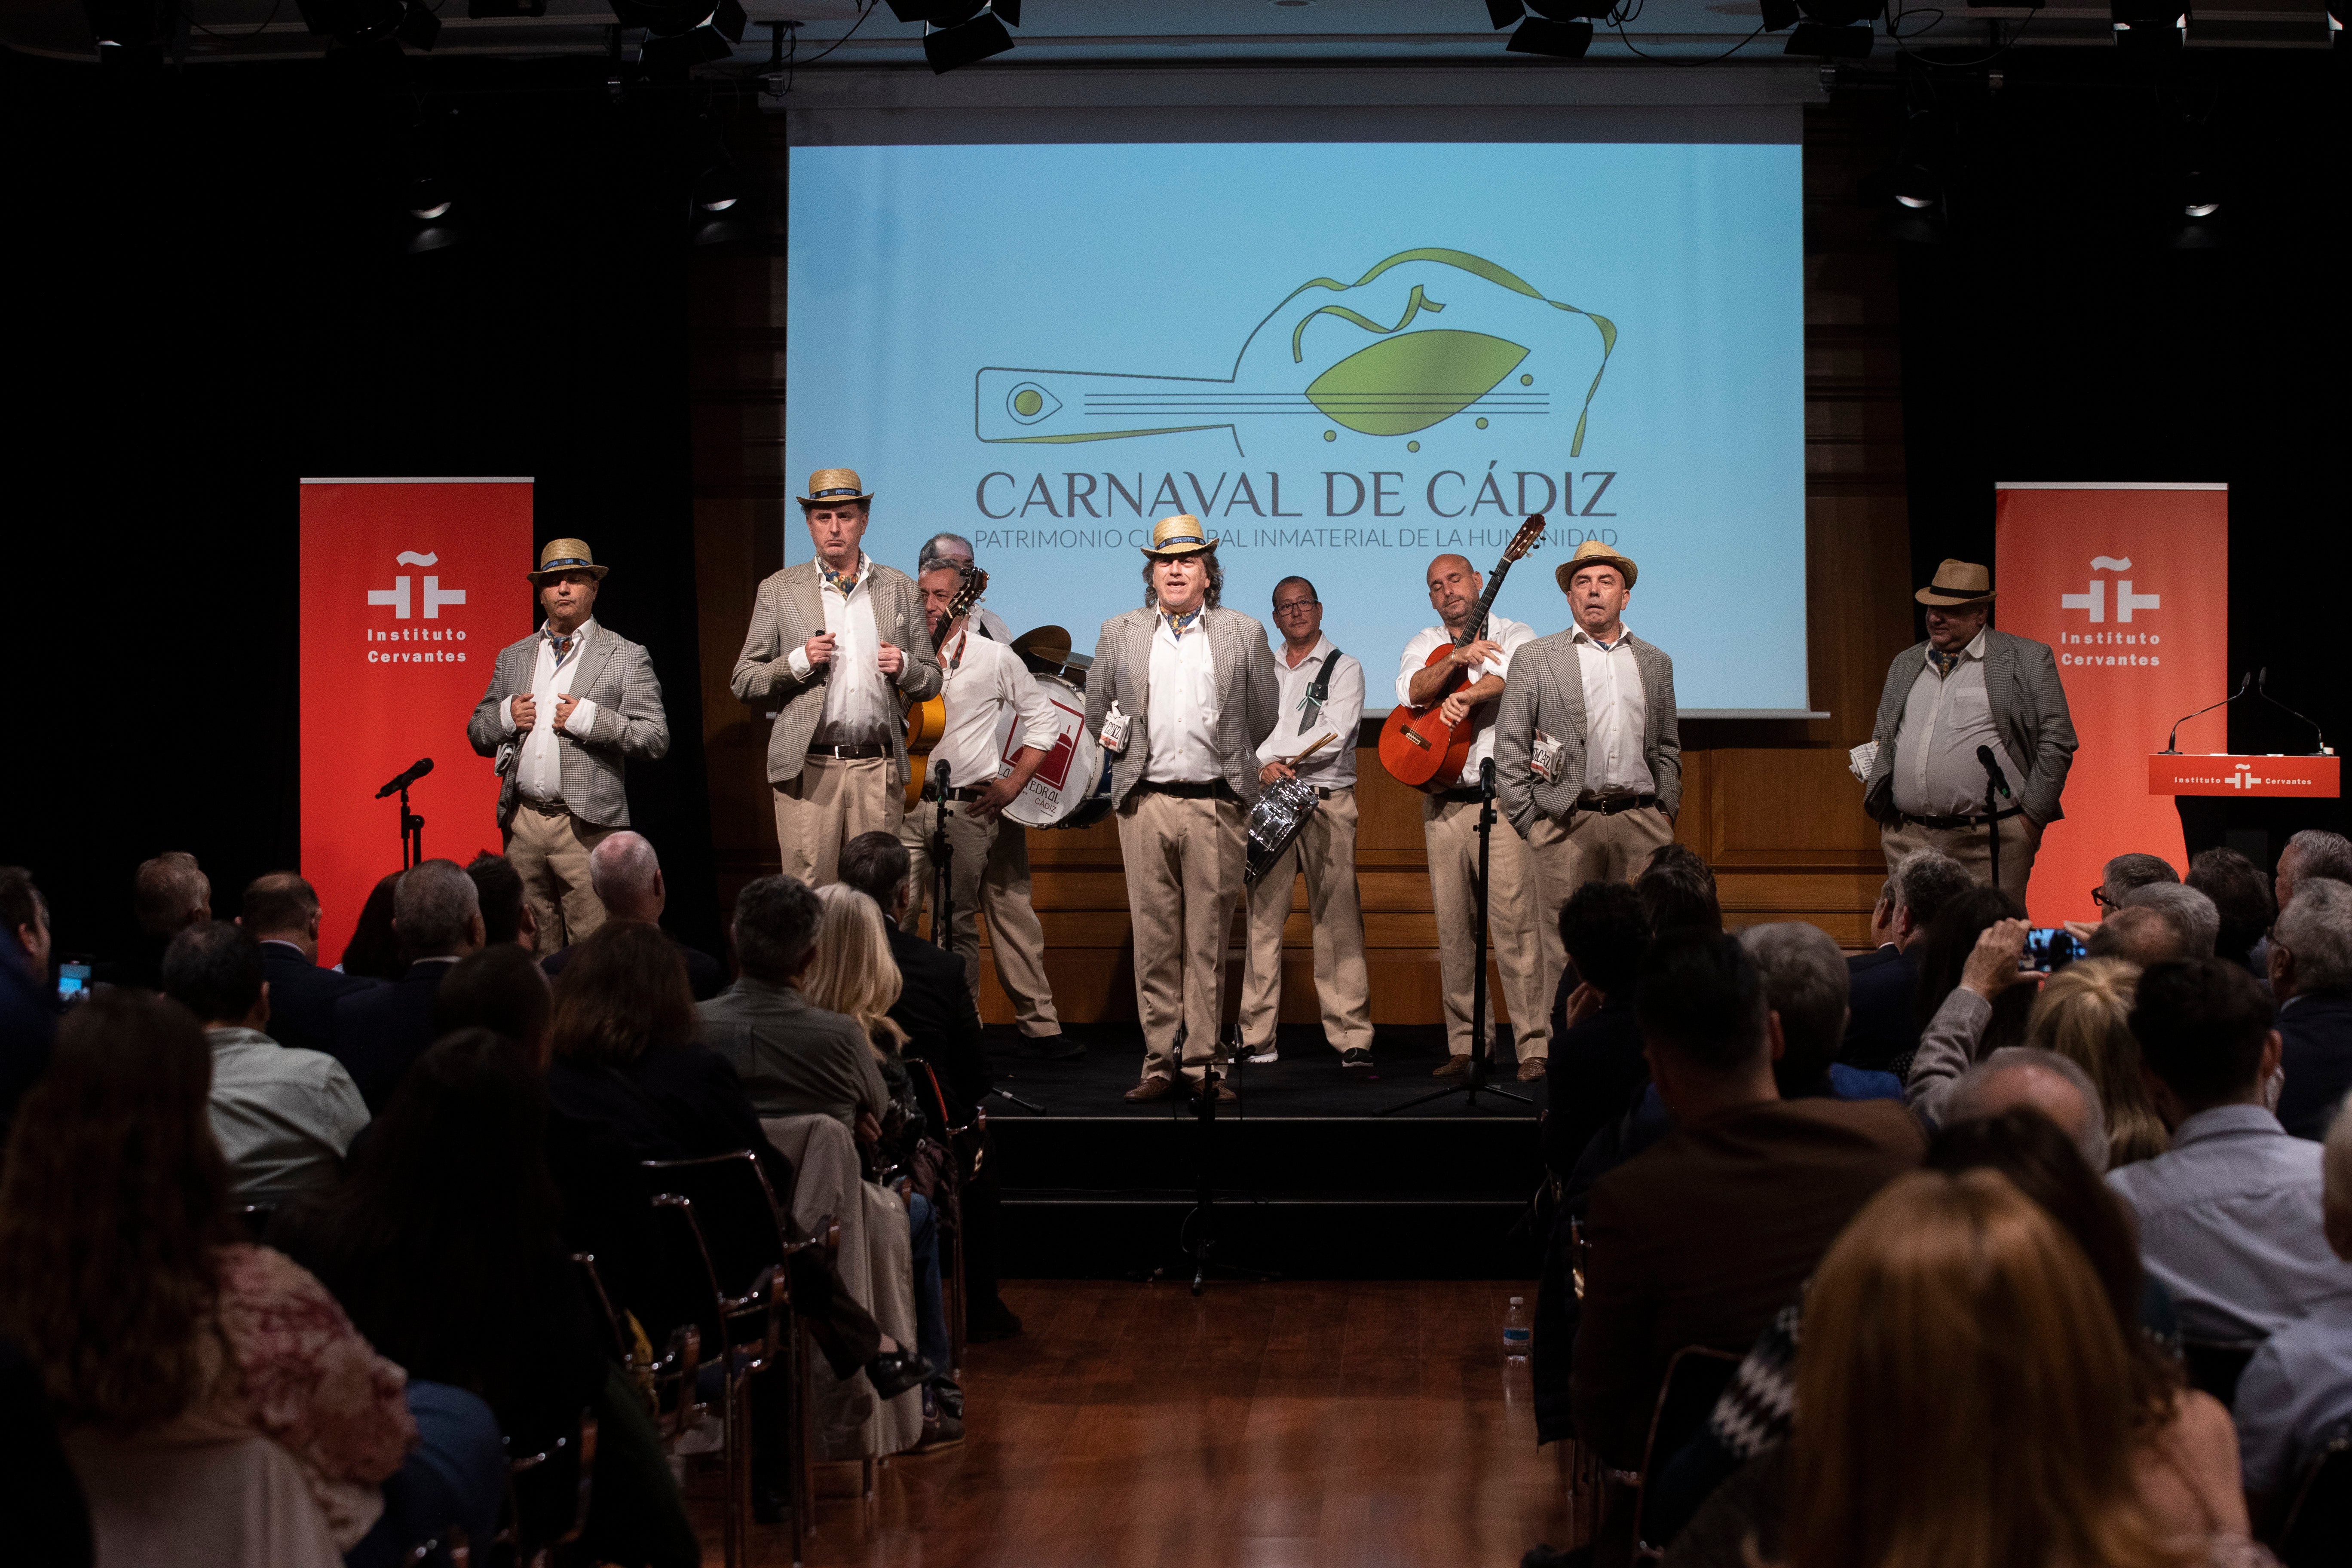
x=1992, y=771
x=416, y=770
x=2318, y=738
x=2170, y=746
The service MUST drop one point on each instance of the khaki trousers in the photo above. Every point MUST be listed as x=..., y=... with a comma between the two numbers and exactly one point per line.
x=1184, y=874
x=551, y=853
x=1450, y=830
x=831, y=803
x=1595, y=847
x=1325, y=850
x=2019, y=840
x=991, y=876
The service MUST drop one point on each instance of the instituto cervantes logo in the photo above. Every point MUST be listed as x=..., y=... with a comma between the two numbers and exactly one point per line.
x=403, y=601
x=1459, y=340
x=2119, y=648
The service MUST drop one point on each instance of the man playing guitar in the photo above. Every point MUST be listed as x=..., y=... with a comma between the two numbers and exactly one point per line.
x=986, y=686
x=1449, y=826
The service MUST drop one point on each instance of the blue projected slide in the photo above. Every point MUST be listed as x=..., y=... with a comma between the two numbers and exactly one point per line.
x=1346, y=358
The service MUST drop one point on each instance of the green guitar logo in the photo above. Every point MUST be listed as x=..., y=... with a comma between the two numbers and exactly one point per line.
x=1301, y=377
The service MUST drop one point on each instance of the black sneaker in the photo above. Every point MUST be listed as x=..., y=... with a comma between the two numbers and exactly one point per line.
x=895, y=1371
x=1355, y=1057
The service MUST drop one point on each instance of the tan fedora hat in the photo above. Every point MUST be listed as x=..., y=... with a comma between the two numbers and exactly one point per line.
x=830, y=485
x=1180, y=535
x=1593, y=553
x=1958, y=582
x=561, y=555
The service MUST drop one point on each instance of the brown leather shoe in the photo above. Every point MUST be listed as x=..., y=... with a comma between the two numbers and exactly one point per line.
x=1531, y=1070
x=1452, y=1066
x=1149, y=1091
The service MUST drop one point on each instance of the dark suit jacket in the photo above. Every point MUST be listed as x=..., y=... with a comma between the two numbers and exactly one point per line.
x=1701, y=1239
x=1883, y=991
x=1591, y=1079
x=379, y=1031
x=942, y=1027
x=28, y=1027
x=704, y=974
x=2317, y=1030
x=302, y=997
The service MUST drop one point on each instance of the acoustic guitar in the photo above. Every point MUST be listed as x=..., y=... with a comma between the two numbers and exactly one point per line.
x=927, y=721
x=1417, y=745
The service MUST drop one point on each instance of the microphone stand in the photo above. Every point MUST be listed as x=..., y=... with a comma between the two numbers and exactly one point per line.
x=942, y=859
x=1474, y=1083
x=412, y=834
x=1992, y=827
x=2318, y=736
x=2171, y=742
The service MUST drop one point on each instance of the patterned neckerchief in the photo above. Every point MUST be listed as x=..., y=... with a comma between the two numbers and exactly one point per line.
x=1945, y=663
x=566, y=645
x=844, y=584
x=1180, y=625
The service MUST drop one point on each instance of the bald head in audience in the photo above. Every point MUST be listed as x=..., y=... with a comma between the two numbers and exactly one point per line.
x=2141, y=935
x=2049, y=1083
x=2191, y=911
x=626, y=874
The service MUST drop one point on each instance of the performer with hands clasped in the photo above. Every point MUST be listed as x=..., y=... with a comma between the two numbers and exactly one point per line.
x=1320, y=699
x=566, y=707
x=1449, y=823
x=1182, y=693
x=838, y=640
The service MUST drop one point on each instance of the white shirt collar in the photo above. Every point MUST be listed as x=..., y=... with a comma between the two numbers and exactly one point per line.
x=1975, y=649
x=1321, y=650
x=864, y=570
x=1624, y=636
x=581, y=632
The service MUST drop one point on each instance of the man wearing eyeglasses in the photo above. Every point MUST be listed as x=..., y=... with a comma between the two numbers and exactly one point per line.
x=1319, y=692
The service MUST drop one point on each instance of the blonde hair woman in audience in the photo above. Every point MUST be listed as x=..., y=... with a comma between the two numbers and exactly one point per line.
x=853, y=973
x=2083, y=1014
x=1965, y=1399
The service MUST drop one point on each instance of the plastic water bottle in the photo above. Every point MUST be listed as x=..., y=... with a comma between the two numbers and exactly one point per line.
x=1516, y=1336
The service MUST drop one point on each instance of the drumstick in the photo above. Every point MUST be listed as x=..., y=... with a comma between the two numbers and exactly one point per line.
x=1324, y=740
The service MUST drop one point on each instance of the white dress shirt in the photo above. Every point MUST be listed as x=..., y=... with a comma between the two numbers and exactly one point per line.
x=1509, y=635
x=1945, y=719
x=1615, y=710
x=539, y=772
x=1299, y=719
x=857, y=707
x=993, y=707
x=1183, y=721
x=283, y=1117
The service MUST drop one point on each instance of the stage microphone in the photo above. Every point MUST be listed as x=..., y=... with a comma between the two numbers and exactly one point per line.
x=2171, y=749
x=2262, y=683
x=417, y=770
x=1992, y=771
x=1487, y=777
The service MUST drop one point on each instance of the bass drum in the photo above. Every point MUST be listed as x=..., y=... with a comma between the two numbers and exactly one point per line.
x=1071, y=788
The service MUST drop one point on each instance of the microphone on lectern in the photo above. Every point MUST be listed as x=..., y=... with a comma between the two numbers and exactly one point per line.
x=2170, y=746
x=2262, y=683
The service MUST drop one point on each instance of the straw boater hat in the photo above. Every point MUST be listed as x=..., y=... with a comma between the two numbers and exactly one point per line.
x=1593, y=553
x=562, y=555
x=828, y=487
x=1958, y=582
x=1180, y=535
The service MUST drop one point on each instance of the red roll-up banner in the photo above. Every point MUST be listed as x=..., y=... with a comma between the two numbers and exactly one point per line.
x=409, y=589
x=2129, y=584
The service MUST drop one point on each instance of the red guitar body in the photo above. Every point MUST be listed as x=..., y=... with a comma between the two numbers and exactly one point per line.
x=1420, y=748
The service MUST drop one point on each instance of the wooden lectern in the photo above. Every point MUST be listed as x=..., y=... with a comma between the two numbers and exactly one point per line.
x=2252, y=803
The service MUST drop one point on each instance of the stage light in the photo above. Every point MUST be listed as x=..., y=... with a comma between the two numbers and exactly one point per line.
x=954, y=43
x=1780, y=13
x=127, y=32
x=359, y=24
x=1558, y=29
x=1827, y=42
x=418, y=27
x=2148, y=25
x=682, y=34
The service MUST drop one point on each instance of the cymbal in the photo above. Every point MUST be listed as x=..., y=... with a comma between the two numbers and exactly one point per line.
x=1047, y=650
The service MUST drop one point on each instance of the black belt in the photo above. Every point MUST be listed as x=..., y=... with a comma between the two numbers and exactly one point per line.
x=852, y=754
x=1214, y=789
x=544, y=807
x=1946, y=823
x=1460, y=796
x=1610, y=805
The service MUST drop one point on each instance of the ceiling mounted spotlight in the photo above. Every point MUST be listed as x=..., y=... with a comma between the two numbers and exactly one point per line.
x=2147, y=25
x=366, y=24
x=1825, y=42
x=1558, y=29
x=127, y=32
x=682, y=34
x=956, y=33
x=1780, y=13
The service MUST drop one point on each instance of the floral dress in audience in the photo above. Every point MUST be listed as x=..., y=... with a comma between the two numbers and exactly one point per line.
x=298, y=1373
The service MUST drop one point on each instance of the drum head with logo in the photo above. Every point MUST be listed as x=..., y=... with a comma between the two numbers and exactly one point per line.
x=1074, y=775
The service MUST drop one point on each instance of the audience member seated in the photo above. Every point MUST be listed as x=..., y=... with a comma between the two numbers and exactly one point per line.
x=2192, y=911
x=1678, y=891
x=852, y=975
x=283, y=1117
x=501, y=989
x=2139, y=936
x=1806, y=984
x=2027, y=1078
x=40, y=1497
x=942, y=1027
x=374, y=951
x=442, y=1242
x=2314, y=852
x=1596, y=1069
x=2083, y=1014
x=1884, y=1027
x=2242, y=897
x=168, y=894
x=28, y=1008
x=281, y=912
x=2297, y=1391
x=2230, y=1217
x=1703, y=1238
x=437, y=915
x=1943, y=1002
x=2311, y=976
x=794, y=1058
x=506, y=916
x=1966, y=1393
x=153, y=1324
x=625, y=873
x=2126, y=873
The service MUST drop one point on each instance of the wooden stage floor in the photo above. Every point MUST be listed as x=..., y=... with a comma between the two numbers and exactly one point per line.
x=1308, y=1424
